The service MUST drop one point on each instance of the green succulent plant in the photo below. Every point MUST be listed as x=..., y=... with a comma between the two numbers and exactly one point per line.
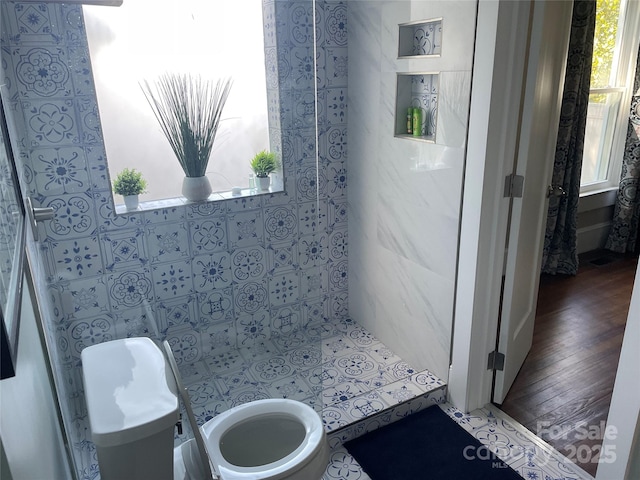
x=129, y=182
x=264, y=163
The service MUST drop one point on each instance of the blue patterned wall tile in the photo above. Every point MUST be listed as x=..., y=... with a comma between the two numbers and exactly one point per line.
x=60, y=170
x=165, y=215
x=336, y=66
x=72, y=24
x=33, y=24
x=280, y=223
x=250, y=297
x=51, y=122
x=314, y=282
x=245, y=229
x=73, y=258
x=336, y=105
x=300, y=22
x=248, y=264
x=80, y=64
x=168, y=242
x=303, y=110
x=337, y=179
x=89, y=120
x=85, y=333
x=172, y=280
x=85, y=298
x=140, y=321
x=253, y=327
x=42, y=72
x=185, y=344
x=244, y=204
x=338, y=244
x=202, y=210
x=211, y=272
x=208, y=236
x=284, y=289
x=97, y=167
x=73, y=216
x=219, y=338
x=282, y=257
x=285, y=320
x=315, y=311
x=339, y=306
x=106, y=217
x=335, y=24
x=310, y=183
x=124, y=248
x=175, y=313
x=313, y=250
x=312, y=217
x=269, y=19
x=334, y=143
x=130, y=289
x=216, y=306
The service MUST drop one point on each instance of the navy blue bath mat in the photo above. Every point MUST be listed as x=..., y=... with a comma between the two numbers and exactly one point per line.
x=427, y=445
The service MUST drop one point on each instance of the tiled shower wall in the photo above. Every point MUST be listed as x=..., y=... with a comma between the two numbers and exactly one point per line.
x=405, y=195
x=213, y=275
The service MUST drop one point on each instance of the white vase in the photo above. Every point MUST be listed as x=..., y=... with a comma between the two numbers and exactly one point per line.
x=131, y=202
x=196, y=189
x=263, y=183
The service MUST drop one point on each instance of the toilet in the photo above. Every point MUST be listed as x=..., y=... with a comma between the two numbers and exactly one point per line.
x=132, y=389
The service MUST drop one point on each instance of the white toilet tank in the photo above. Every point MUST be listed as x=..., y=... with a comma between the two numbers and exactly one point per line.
x=133, y=408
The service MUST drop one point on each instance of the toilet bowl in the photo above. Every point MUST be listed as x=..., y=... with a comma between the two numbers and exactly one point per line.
x=274, y=439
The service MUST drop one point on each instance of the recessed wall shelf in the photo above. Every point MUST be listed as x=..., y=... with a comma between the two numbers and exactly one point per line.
x=420, y=39
x=417, y=90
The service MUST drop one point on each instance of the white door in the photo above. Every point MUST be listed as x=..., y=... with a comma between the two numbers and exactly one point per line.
x=538, y=134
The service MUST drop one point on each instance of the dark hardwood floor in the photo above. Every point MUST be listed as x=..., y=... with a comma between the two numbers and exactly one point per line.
x=563, y=391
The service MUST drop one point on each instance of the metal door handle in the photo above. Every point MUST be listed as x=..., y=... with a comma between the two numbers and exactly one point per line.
x=556, y=191
x=37, y=214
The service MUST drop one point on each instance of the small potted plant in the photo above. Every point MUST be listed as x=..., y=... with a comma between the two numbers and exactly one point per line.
x=129, y=183
x=262, y=165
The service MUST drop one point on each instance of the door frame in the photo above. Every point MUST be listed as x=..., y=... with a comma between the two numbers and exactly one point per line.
x=481, y=259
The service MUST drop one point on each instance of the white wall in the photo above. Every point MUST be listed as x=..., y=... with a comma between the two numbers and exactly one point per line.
x=29, y=429
x=403, y=220
x=624, y=412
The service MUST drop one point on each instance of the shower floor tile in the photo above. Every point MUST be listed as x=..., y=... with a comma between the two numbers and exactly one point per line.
x=339, y=368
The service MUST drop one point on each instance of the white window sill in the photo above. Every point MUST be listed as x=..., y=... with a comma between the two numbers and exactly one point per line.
x=180, y=201
x=595, y=199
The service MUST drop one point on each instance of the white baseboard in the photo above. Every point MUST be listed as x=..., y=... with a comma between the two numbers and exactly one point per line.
x=592, y=237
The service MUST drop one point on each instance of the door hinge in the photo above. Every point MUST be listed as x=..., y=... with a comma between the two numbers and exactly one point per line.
x=513, y=186
x=495, y=361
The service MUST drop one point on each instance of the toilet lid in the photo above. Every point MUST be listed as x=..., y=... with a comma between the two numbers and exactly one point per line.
x=205, y=466
x=129, y=392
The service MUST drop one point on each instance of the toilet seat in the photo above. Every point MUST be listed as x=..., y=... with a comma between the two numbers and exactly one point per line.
x=309, y=448
x=309, y=455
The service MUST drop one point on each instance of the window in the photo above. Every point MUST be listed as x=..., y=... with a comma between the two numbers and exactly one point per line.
x=143, y=39
x=611, y=81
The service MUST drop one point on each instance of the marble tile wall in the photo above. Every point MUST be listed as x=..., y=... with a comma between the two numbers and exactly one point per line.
x=208, y=276
x=404, y=195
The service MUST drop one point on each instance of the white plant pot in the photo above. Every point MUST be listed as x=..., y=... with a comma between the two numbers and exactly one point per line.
x=131, y=202
x=264, y=183
x=196, y=189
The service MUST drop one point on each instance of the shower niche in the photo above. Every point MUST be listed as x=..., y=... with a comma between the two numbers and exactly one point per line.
x=420, y=39
x=417, y=106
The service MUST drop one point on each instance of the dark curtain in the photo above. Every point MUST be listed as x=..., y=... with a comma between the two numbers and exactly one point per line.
x=560, y=252
x=623, y=236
